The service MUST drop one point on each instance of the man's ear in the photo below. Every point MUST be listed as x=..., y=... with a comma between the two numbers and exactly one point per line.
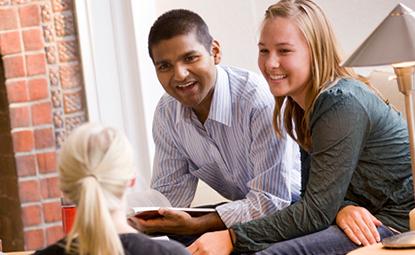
x=216, y=52
x=131, y=183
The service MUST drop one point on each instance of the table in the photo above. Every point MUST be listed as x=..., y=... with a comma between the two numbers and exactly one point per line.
x=18, y=252
x=377, y=249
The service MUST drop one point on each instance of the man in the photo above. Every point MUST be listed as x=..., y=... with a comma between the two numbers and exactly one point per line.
x=214, y=124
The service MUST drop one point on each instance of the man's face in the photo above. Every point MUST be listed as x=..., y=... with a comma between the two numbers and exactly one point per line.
x=186, y=70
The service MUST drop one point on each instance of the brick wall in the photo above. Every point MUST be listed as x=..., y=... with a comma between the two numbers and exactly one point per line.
x=41, y=100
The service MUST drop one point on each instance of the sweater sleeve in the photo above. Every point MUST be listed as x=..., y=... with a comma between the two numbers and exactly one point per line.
x=338, y=126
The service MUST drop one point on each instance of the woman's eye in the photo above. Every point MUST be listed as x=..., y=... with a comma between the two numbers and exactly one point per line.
x=285, y=51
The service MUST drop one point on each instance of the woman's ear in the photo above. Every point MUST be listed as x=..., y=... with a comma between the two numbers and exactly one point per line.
x=216, y=52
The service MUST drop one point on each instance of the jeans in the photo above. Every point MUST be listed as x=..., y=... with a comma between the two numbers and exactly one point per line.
x=331, y=241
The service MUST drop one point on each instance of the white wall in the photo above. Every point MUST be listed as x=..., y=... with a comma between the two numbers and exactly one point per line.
x=235, y=23
x=111, y=72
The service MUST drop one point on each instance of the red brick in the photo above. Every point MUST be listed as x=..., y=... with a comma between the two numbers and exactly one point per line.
x=52, y=212
x=23, y=141
x=42, y=114
x=38, y=89
x=29, y=15
x=53, y=234
x=19, y=117
x=36, y=64
x=34, y=239
x=29, y=191
x=33, y=39
x=62, y=5
x=70, y=76
x=8, y=18
x=17, y=91
x=44, y=138
x=31, y=215
x=50, y=188
x=10, y=43
x=26, y=165
x=14, y=67
x=47, y=162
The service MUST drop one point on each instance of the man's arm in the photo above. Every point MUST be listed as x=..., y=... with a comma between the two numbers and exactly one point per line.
x=275, y=168
x=179, y=222
x=170, y=175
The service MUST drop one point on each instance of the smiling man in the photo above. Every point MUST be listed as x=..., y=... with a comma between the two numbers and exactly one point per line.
x=214, y=124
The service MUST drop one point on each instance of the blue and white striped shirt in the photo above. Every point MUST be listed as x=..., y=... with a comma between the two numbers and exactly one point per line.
x=235, y=152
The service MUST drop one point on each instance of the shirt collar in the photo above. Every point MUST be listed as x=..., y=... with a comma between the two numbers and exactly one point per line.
x=221, y=106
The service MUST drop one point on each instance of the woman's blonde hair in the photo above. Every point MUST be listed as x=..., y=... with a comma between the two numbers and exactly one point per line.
x=95, y=167
x=325, y=65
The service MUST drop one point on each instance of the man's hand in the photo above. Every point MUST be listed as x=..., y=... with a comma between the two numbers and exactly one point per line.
x=171, y=222
x=177, y=222
x=358, y=224
x=215, y=243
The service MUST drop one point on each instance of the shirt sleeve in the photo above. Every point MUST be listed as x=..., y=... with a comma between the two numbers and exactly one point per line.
x=338, y=134
x=275, y=166
x=171, y=175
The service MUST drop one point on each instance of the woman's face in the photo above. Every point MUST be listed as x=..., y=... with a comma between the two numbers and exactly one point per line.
x=284, y=59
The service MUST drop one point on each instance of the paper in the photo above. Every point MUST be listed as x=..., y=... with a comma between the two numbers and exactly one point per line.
x=146, y=198
x=145, y=205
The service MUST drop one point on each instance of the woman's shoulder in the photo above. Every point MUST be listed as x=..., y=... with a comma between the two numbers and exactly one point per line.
x=133, y=243
x=344, y=90
x=57, y=248
x=345, y=96
x=136, y=243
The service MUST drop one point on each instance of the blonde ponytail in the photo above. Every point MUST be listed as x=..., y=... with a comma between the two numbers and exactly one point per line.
x=95, y=167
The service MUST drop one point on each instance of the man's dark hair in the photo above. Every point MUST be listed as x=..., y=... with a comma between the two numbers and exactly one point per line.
x=179, y=22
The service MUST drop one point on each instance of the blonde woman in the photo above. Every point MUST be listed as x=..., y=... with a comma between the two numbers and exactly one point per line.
x=95, y=169
x=355, y=148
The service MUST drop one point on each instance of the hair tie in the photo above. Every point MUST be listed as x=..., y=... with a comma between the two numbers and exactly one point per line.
x=91, y=175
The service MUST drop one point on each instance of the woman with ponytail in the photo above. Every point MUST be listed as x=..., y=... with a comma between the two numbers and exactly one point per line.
x=95, y=169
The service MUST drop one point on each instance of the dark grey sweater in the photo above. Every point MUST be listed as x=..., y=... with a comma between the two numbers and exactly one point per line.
x=360, y=155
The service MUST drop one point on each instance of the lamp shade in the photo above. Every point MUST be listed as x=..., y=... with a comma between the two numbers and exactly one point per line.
x=393, y=41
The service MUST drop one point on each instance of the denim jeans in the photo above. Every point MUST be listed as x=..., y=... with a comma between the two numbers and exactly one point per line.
x=331, y=241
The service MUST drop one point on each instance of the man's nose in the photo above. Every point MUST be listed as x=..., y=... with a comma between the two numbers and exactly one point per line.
x=180, y=72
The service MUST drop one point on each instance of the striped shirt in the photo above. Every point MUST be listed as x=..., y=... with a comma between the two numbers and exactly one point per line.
x=235, y=151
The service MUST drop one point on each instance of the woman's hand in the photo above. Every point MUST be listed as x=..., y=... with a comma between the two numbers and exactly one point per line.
x=214, y=243
x=359, y=225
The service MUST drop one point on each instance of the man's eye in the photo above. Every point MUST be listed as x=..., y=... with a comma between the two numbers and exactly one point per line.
x=190, y=58
x=163, y=67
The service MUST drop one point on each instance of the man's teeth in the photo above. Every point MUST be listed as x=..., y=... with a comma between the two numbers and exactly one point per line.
x=278, y=77
x=184, y=85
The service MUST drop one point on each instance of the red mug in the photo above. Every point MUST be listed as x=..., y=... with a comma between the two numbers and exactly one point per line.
x=68, y=215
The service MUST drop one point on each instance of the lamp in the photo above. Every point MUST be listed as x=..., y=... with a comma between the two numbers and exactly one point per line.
x=393, y=43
